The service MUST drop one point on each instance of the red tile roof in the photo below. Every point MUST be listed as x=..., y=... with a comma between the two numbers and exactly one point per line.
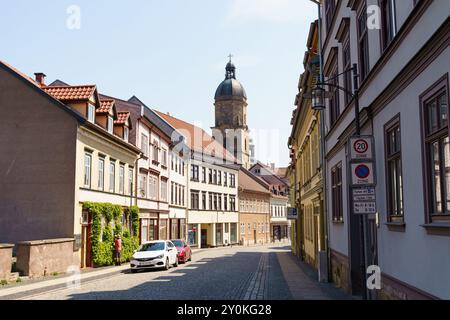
x=105, y=105
x=122, y=117
x=71, y=93
x=196, y=138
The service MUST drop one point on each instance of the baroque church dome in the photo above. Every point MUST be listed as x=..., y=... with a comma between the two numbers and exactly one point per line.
x=230, y=87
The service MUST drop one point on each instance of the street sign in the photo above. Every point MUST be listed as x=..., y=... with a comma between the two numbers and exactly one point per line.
x=364, y=200
x=361, y=148
x=362, y=174
x=292, y=214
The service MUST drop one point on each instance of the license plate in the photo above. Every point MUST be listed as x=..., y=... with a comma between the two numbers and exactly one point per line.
x=145, y=263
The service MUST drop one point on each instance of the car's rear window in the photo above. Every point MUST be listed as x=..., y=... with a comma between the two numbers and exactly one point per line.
x=177, y=243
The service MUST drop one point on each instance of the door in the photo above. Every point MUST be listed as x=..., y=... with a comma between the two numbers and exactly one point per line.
x=86, y=240
x=254, y=235
x=204, y=240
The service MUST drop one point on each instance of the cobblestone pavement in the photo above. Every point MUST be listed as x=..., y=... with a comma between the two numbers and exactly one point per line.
x=267, y=272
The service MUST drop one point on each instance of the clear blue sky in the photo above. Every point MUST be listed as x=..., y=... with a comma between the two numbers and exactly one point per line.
x=171, y=54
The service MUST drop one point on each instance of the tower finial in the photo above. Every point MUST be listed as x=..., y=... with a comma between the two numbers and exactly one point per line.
x=230, y=69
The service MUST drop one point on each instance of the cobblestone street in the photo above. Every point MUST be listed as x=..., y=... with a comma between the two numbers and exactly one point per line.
x=238, y=273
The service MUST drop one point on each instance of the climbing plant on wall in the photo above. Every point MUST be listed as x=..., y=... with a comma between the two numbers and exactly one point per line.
x=103, y=233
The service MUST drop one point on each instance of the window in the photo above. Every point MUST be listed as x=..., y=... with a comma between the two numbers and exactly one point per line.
x=194, y=173
x=215, y=177
x=204, y=200
x=215, y=201
x=203, y=174
x=336, y=189
x=219, y=177
x=101, y=174
x=225, y=202
x=330, y=7
x=394, y=178
x=194, y=200
x=363, y=43
x=225, y=182
x=142, y=192
x=144, y=145
x=172, y=162
x=153, y=189
x=182, y=167
x=172, y=192
x=155, y=151
x=210, y=201
x=210, y=176
x=437, y=150
x=232, y=203
x=110, y=125
x=130, y=181
x=112, y=176
x=232, y=180
x=91, y=113
x=164, y=157
x=389, y=24
x=176, y=194
x=163, y=190
x=334, y=101
x=126, y=133
x=122, y=179
x=87, y=169
x=347, y=63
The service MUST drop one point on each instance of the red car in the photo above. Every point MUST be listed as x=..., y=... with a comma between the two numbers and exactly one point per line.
x=184, y=250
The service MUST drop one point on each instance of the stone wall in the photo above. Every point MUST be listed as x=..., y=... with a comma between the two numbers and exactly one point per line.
x=44, y=257
x=393, y=289
x=340, y=271
x=5, y=260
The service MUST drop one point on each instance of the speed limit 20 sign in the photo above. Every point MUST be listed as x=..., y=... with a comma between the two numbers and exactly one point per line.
x=361, y=148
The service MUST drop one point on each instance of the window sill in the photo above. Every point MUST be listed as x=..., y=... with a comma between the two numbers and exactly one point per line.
x=396, y=226
x=437, y=228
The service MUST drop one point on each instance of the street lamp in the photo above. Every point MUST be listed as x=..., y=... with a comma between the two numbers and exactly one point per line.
x=318, y=98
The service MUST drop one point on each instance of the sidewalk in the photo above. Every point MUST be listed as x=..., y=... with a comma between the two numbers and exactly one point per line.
x=45, y=284
x=302, y=281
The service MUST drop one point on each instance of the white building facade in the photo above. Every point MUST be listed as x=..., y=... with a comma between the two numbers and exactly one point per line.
x=404, y=88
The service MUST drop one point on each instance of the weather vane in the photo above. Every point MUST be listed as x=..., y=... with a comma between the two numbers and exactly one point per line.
x=230, y=56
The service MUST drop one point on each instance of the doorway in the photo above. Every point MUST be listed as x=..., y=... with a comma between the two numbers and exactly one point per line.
x=86, y=240
x=204, y=238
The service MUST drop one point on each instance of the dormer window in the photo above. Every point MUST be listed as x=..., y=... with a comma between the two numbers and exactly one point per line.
x=110, y=124
x=125, y=133
x=91, y=113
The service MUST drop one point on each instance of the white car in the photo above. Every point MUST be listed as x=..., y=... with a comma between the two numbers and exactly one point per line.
x=154, y=254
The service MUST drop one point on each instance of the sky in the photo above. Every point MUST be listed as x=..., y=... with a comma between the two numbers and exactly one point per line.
x=171, y=54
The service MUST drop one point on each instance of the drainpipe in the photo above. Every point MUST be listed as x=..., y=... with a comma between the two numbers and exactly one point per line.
x=322, y=149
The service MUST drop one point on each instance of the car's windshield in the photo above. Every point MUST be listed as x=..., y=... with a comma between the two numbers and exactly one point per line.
x=177, y=243
x=155, y=246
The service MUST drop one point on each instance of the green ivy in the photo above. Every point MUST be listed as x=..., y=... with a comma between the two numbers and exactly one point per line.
x=102, y=237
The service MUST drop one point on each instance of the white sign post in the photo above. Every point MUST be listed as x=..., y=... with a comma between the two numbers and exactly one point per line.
x=361, y=148
x=362, y=175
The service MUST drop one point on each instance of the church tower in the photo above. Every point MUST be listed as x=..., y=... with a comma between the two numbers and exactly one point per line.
x=231, y=117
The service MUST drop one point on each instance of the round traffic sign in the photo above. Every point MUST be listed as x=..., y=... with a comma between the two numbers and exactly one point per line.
x=362, y=171
x=361, y=146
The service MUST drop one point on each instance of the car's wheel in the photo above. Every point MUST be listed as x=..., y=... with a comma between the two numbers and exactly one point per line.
x=133, y=270
x=176, y=262
x=167, y=266
x=190, y=257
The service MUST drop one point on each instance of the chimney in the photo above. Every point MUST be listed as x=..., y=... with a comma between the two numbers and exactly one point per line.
x=272, y=165
x=40, y=78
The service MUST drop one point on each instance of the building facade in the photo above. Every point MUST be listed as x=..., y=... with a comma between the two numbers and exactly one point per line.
x=212, y=196
x=401, y=50
x=65, y=147
x=306, y=164
x=254, y=209
x=279, y=188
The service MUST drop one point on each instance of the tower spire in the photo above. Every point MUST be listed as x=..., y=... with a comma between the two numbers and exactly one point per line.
x=230, y=69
